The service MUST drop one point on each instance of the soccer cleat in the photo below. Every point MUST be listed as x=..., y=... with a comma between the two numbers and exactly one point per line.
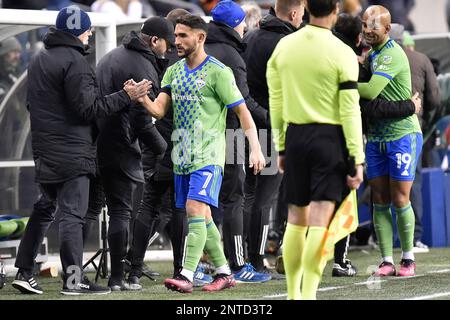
x=248, y=274
x=84, y=287
x=345, y=269
x=200, y=278
x=180, y=283
x=221, y=281
x=26, y=284
x=407, y=268
x=386, y=269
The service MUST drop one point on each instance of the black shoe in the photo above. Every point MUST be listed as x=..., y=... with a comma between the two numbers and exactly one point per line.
x=25, y=283
x=84, y=287
x=133, y=283
x=345, y=269
x=139, y=271
x=149, y=273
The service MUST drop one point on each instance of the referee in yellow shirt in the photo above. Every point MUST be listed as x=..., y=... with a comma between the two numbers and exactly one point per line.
x=314, y=110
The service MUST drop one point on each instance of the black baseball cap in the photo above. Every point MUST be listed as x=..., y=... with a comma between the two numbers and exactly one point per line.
x=159, y=27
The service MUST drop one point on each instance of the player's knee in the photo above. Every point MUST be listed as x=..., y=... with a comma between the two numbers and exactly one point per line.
x=400, y=200
x=195, y=209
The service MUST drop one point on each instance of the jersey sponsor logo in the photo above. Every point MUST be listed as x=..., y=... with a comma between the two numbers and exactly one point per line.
x=187, y=97
x=384, y=67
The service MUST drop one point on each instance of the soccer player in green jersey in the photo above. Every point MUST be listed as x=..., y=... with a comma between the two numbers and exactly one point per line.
x=313, y=93
x=201, y=90
x=394, y=144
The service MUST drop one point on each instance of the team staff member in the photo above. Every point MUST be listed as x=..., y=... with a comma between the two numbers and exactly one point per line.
x=314, y=95
x=119, y=155
x=64, y=102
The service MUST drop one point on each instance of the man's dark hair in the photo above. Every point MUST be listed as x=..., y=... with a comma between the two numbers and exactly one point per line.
x=321, y=8
x=194, y=22
x=349, y=26
x=173, y=15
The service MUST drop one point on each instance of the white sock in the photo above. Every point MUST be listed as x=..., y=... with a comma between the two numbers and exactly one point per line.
x=408, y=255
x=188, y=274
x=388, y=259
x=225, y=269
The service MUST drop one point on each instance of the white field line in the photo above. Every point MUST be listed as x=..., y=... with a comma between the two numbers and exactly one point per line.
x=431, y=296
x=372, y=282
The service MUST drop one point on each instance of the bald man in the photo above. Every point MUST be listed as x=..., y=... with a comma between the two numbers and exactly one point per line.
x=394, y=144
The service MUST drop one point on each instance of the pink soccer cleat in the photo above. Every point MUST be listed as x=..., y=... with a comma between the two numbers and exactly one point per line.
x=220, y=282
x=180, y=283
x=386, y=269
x=407, y=268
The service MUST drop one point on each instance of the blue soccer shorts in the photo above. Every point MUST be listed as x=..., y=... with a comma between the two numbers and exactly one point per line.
x=202, y=185
x=396, y=159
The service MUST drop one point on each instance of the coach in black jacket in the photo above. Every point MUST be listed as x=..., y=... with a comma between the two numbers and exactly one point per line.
x=119, y=153
x=64, y=102
x=224, y=42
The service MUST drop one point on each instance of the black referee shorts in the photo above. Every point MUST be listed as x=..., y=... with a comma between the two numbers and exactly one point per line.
x=315, y=165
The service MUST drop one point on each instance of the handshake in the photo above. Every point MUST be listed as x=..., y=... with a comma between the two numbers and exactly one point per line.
x=137, y=90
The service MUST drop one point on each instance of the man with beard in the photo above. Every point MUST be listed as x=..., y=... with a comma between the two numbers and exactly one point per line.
x=200, y=89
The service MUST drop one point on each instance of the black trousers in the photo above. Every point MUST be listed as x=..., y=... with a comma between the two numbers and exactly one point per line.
x=119, y=191
x=156, y=211
x=341, y=250
x=231, y=201
x=71, y=199
x=260, y=194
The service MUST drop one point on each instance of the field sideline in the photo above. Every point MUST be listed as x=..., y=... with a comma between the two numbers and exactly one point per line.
x=432, y=282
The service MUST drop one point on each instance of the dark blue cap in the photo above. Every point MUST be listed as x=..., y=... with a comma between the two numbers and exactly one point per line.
x=228, y=12
x=73, y=20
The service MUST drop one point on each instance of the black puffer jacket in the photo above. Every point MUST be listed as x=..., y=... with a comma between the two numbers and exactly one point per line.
x=225, y=44
x=64, y=101
x=260, y=45
x=117, y=144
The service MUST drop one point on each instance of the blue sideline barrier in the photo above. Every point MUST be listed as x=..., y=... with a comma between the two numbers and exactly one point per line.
x=447, y=205
x=435, y=199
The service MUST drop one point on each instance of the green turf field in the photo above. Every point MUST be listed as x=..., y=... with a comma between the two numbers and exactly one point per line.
x=432, y=282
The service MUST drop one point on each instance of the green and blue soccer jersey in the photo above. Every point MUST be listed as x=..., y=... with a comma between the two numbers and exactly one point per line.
x=390, y=61
x=200, y=100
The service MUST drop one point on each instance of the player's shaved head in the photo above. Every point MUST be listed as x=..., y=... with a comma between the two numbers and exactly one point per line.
x=377, y=14
x=376, y=24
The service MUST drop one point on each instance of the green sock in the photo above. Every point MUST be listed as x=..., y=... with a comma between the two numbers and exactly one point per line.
x=195, y=242
x=405, y=225
x=293, y=244
x=213, y=245
x=384, y=228
x=312, y=262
